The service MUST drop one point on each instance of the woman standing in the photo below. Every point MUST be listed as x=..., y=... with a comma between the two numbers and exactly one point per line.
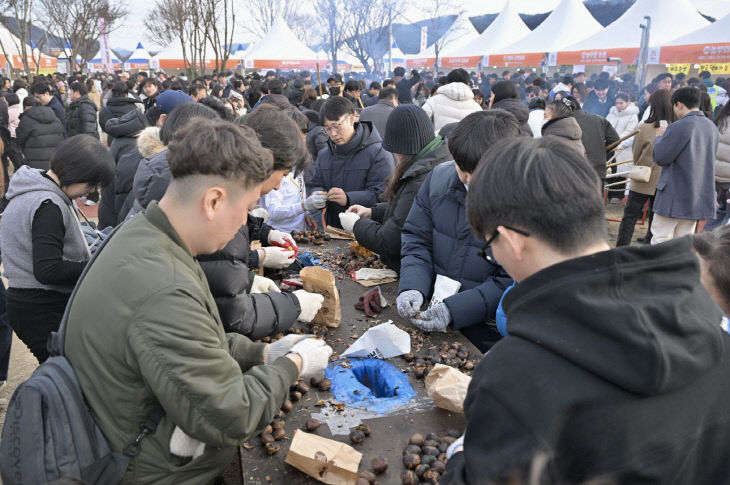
x=660, y=103
x=43, y=248
x=560, y=123
x=624, y=117
x=722, y=166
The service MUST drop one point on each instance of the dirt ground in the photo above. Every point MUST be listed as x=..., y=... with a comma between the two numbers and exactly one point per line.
x=22, y=362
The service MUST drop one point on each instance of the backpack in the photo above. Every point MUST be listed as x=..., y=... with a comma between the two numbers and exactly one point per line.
x=49, y=431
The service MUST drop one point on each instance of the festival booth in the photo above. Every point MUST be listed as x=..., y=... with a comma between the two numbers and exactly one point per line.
x=280, y=49
x=171, y=57
x=621, y=39
x=704, y=47
x=64, y=60
x=569, y=23
x=460, y=33
x=138, y=60
x=507, y=28
x=96, y=64
x=12, y=58
x=237, y=59
x=399, y=58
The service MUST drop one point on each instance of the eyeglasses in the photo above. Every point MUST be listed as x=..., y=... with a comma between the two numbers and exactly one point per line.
x=486, y=252
x=335, y=126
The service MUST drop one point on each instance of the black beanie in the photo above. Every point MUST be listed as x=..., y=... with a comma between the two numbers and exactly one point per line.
x=408, y=130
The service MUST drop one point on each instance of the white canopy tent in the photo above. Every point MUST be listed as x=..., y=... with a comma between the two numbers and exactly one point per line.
x=504, y=30
x=621, y=39
x=569, y=23
x=704, y=45
x=11, y=55
x=460, y=33
x=171, y=57
x=96, y=63
x=280, y=49
x=399, y=58
x=139, y=59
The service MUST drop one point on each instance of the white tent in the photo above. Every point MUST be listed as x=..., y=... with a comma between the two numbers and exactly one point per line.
x=461, y=32
x=704, y=45
x=171, y=57
x=399, y=58
x=96, y=63
x=504, y=30
x=569, y=23
x=621, y=39
x=12, y=47
x=139, y=59
x=281, y=49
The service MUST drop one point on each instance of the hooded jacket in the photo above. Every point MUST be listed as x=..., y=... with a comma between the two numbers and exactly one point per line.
x=82, y=118
x=566, y=130
x=360, y=167
x=520, y=110
x=452, y=103
x=39, y=133
x=14, y=113
x=624, y=122
x=116, y=107
x=437, y=240
x=616, y=363
x=381, y=232
x=161, y=341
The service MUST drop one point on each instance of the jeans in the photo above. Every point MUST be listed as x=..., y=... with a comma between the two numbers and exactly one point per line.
x=6, y=337
x=632, y=212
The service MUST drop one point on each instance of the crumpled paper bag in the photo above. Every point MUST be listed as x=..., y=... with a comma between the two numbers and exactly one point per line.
x=325, y=460
x=381, y=342
x=316, y=279
x=447, y=387
x=443, y=288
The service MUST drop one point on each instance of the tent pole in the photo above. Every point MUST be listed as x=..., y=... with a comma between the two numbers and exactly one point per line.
x=319, y=80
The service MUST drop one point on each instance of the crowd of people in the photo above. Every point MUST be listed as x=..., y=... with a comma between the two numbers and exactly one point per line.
x=497, y=183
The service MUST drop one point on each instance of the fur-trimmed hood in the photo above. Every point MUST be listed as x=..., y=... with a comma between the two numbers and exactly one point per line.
x=148, y=142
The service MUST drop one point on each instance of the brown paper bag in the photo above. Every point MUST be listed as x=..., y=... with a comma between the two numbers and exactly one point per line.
x=336, y=233
x=319, y=280
x=447, y=387
x=326, y=460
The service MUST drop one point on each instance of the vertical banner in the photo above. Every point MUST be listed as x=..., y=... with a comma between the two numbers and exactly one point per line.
x=552, y=59
x=424, y=38
x=106, y=54
x=655, y=54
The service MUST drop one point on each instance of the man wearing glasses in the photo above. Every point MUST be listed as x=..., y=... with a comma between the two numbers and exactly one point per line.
x=353, y=167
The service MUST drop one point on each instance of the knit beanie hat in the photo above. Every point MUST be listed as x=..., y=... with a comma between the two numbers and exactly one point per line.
x=407, y=130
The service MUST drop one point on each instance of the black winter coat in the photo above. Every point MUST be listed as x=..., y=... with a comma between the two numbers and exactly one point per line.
x=150, y=180
x=597, y=134
x=593, y=106
x=519, y=109
x=148, y=144
x=39, y=133
x=82, y=118
x=615, y=362
x=116, y=107
x=381, y=232
x=359, y=167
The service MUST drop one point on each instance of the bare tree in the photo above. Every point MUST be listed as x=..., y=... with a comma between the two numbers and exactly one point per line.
x=331, y=20
x=77, y=22
x=439, y=13
x=263, y=13
x=367, y=29
x=175, y=21
x=306, y=27
x=219, y=26
x=21, y=12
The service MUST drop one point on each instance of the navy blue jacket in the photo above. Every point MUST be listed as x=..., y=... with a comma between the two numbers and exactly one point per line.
x=58, y=110
x=437, y=239
x=595, y=107
x=359, y=167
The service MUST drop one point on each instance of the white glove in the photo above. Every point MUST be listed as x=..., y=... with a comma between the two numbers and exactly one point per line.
x=277, y=258
x=348, y=220
x=282, y=346
x=315, y=356
x=281, y=239
x=409, y=303
x=261, y=213
x=316, y=201
x=310, y=304
x=263, y=285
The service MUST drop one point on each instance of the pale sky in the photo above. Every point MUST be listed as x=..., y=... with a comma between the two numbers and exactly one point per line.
x=133, y=30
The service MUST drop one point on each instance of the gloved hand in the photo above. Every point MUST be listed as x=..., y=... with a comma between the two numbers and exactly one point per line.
x=316, y=201
x=371, y=302
x=310, y=303
x=348, y=220
x=277, y=258
x=455, y=447
x=263, y=285
x=409, y=303
x=282, y=346
x=315, y=356
x=435, y=319
x=282, y=239
x=261, y=213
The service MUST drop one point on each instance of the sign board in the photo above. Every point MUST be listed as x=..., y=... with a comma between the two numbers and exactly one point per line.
x=717, y=68
x=654, y=55
x=552, y=59
x=675, y=69
x=612, y=70
x=424, y=38
x=579, y=68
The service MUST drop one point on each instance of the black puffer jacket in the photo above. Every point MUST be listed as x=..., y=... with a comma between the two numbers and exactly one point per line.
x=230, y=280
x=116, y=107
x=148, y=144
x=150, y=181
x=519, y=109
x=39, y=133
x=82, y=118
x=381, y=232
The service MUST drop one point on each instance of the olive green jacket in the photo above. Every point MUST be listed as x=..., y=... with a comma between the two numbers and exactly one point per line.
x=144, y=329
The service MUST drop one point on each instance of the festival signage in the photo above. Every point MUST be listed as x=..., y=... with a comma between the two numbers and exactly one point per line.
x=675, y=69
x=597, y=56
x=696, y=53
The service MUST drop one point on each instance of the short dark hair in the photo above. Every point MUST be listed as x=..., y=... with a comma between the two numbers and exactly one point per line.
x=79, y=87
x=477, y=132
x=280, y=134
x=352, y=85
x=704, y=75
x=194, y=88
x=518, y=179
x=12, y=99
x=29, y=102
x=688, y=96
x=388, y=82
x=537, y=103
x=219, y=148
x=388, y=93
x=504, y=90
x=218, y=106
x=399, y=71
x=83, y=159
x=714, y=247
x=562, y=108
x=601, y=84
x=458, y=76
x=39, y=87
x=335, y=108
x=274, y=86
x=120, y=89
x=376, y=85
x=149, y=80
x=181, y=115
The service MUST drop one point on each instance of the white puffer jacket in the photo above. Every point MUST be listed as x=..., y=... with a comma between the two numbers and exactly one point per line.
x=451, y=103
x=625, y=123
x=722, y=159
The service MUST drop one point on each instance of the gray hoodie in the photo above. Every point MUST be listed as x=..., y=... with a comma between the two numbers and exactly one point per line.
x=28, y=190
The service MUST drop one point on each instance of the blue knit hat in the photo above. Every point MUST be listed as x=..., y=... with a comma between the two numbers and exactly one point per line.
x=407, y=130
x=169, y=100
